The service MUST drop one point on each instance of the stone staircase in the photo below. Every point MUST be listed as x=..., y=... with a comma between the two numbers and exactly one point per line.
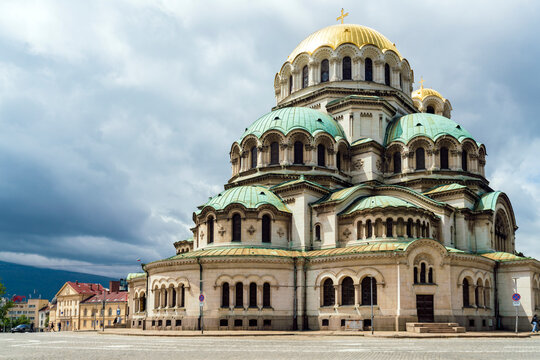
x=435, y=328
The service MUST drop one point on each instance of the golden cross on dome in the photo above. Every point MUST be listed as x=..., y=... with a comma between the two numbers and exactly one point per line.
x=422, y=83
x=342, y=16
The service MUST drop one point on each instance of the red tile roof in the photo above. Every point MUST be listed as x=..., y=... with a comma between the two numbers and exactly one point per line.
x=121, y=296
x=86, y=288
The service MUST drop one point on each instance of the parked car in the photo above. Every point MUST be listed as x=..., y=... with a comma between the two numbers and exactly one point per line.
x=21, y=328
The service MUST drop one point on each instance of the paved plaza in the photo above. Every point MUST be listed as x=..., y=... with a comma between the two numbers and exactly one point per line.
x=90, y=346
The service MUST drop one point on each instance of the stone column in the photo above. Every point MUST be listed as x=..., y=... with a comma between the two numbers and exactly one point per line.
x=331, y=163
x=259, y=296
x=378, y=71
x=260, y=152
x=334, y=76
x=312, y=66
x=394, y=229
x=311, y=155
x=357, y=73
x=394, y=77
x=433, y=160
x=336, y=294
x=285, y=148
x=356, y=294
x=246, y=296
x=232, y=299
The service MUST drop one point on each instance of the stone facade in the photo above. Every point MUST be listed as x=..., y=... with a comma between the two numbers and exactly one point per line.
x=353, y=195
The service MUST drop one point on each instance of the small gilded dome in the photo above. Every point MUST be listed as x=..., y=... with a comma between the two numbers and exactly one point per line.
x=288, y=119
x=422, y=93
x=336, y=35
x=407, y=127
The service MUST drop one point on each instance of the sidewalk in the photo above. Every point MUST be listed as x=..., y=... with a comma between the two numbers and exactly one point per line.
x=378, y=334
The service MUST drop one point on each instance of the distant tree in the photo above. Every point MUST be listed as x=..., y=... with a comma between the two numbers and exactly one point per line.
x=21, y=320
x=5, y=305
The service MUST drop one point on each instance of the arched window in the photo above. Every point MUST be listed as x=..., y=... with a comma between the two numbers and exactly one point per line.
x=444, y=158
x=409, y=227
x=210, y=229
x=430, y=276
x=182, y=296
x=298, y=152
x=325, y=71
x=420, y=159
x=389, y=225
x=173, y=297
x=266, y=229
x=142, y=303
x=254, y=157
x=110, y=311
x=318, y=232
x=329, y=295
x=369, y=229
x=321, y=155
x=290, y=85
x=397, y=162
x=338, y=160
x=225, y=295
x=252, y=295
x=266, y=295
x=236, y=228
x=369, y=69
x=347, y=68
x=165, y=298
x=367, y=285
x=387, y=74
x=415, y=274
x=305, y=77
x=422, y=273
x=157, y=300
x=464, y=159
x=400, y=82
x=465, y=288
x=347, y=291
x=274, y=153
x=430, y=109
x=239, y=296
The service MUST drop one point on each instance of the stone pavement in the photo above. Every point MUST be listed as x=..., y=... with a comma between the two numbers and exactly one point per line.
x=383, y=334
x=91, y=346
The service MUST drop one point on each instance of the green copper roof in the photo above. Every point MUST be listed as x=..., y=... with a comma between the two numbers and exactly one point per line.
x=433, y=126
x=377, y=201
x=488, y=201
x=300, y=180
x=361, y=141
x=250, y=196
x=503, y=256
x=132, y=276
x=287, y=119
x=443, y=188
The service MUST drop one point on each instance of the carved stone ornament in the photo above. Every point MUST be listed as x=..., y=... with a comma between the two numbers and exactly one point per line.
x=251, y=230
x=346, y=233
x=202, y=234
x=281, y=232
x=358, y=164
x=221, y=230
x=378, y=164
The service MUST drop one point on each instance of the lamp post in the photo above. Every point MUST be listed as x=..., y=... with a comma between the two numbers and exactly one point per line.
x=517, y=307
x=371, y=295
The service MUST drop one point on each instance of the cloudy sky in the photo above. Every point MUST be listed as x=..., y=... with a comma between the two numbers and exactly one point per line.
x=116, y=117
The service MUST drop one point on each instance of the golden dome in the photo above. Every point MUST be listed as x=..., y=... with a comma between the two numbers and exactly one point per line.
x=424, y=93
x=335, y=35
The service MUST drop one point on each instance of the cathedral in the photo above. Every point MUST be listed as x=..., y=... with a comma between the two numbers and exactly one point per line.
x=357, y=202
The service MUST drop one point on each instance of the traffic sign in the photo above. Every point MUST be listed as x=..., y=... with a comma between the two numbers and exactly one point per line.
x=117, y=311
x=516, y=297
x=201, y=298
x=517, y=303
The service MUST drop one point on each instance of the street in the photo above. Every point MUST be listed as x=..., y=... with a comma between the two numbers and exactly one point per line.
x=89, y=346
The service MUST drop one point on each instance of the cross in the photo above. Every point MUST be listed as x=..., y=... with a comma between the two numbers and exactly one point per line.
x=422, y=83
x=342, y=16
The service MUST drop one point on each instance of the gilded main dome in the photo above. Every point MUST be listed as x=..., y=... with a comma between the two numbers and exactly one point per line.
x=336, y=35
x=423, y=93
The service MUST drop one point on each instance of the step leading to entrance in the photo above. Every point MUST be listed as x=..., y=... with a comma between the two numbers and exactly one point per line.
x=435, y=328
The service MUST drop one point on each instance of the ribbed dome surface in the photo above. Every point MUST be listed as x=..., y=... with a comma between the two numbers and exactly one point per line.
x=432, y=126
x=424, y=93
x=250, y=196
x=377, y=201
x=336, y=35
x=287, y=119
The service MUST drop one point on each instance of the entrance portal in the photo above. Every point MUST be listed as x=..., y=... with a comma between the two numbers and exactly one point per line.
x=424, y=308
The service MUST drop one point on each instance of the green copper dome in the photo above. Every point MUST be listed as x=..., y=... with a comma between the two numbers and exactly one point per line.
x=250, y=196
x=433, y=126
x=377, y=201
x=290, y=118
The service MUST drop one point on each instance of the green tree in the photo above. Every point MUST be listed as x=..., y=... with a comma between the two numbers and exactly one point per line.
x=5, y=305
x=21, y=320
